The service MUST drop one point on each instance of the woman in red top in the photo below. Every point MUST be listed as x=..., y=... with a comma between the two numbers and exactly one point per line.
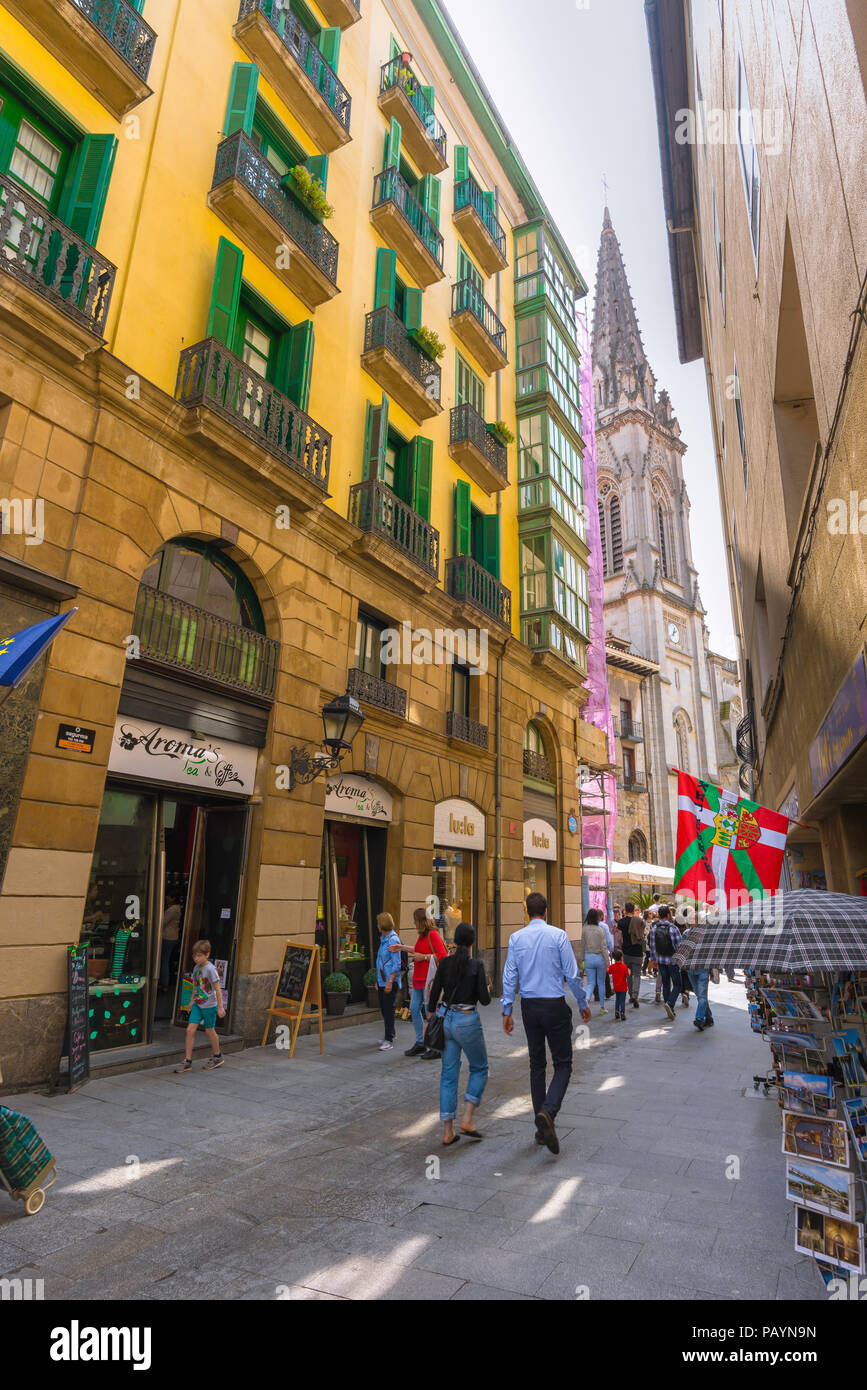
x=619, y=972
x=429, y=943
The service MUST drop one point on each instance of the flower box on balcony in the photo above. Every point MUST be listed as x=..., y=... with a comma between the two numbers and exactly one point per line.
x=428, y=343
x=308, y=193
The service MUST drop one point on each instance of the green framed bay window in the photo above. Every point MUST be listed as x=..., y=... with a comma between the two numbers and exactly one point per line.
x=404, y=466
x=550, y=471
x=248, y=326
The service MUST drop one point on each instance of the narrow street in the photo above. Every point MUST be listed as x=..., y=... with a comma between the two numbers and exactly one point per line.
x=312, y=1178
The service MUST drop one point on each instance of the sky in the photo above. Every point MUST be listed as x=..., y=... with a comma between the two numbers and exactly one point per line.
x=574, y=88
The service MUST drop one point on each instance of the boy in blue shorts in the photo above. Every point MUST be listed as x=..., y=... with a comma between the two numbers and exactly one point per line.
x=207, y=1007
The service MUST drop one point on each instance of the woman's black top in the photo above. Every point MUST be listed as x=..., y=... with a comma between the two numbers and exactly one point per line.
x=471, y=989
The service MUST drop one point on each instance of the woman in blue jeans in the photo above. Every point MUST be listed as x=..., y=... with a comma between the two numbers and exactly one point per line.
x=596, y=958
x=462, y=984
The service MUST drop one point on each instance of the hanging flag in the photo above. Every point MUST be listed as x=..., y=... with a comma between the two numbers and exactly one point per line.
x=18, y=653
x=727, y=846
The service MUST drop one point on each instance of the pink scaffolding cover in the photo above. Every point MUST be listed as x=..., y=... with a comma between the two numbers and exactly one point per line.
x=594, y=839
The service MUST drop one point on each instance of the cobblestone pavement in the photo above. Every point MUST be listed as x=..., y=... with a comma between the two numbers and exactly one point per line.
x=310, y=1178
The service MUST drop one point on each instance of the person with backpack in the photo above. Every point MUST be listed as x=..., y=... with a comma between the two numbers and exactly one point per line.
x=663, y=939
x=632, y=932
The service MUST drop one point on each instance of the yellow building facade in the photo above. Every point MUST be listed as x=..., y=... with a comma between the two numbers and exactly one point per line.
x=243, y=462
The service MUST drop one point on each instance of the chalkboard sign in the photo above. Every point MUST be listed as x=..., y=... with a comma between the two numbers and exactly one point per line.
x=294, y=972
x=78, y=1026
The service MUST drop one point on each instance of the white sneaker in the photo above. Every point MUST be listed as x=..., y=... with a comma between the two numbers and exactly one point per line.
x=385, y=1046
x=603, y=1011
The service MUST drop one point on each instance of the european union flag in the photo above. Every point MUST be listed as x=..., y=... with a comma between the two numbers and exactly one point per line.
x=18, y=653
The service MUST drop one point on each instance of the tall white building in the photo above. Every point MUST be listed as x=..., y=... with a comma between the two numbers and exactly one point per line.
x=691, y=707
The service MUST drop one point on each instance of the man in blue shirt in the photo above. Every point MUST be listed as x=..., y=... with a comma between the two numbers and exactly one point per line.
x=539, y=958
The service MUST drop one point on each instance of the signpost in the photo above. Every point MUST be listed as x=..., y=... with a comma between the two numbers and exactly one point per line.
x=78, y=1025
x=298, y=984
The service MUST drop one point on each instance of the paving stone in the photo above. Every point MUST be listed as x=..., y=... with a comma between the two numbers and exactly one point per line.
x=400, y=1244
x=483, y=1293
x=649, y=1229
x=100, y=1251
x=480, y=1227
x=375, y=1280
x=488, y=1265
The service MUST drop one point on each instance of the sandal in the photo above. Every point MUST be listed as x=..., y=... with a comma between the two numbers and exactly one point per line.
x=472, y=1133
x=447, y=1143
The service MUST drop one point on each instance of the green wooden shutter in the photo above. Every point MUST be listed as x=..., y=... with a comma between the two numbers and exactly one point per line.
x=226, y=293
x=490, y=557
x=329, y=46
x=429, y=96
x=85, y=188
x=491, y=202
x=432, y=197
x=462, y=163
x=375, y=440
x=412, y=308
x=392, y=158
x=294, y=378
x=463, y=508
x=242, y=99
x=386, y=274
x=422, y=476
x=317, y=165
x=137, y=5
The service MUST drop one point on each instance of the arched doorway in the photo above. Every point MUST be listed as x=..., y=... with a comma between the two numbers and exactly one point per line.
x=638, y=847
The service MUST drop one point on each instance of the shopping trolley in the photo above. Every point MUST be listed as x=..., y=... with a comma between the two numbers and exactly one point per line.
x=26, y=1166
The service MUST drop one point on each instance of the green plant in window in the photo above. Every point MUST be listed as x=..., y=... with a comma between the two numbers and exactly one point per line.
x=309, y=192
x=501, y=432
x=429, y=342
x=369, y=979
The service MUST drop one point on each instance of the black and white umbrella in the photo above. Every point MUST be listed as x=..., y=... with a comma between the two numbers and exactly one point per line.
x=799, y=932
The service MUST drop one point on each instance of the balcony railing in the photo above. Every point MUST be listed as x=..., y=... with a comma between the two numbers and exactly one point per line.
x=176, y=634
x=536, y=765
x=631, y=784
x=469, y=194
x=371, y=690
x=43, y=254
x=466, y=296
x=467, y=426
x=306, y=54
x=375, y=508
x=238, y=158
x=125, y=30
x=466, y=729
x=398, y=74
x=391, y=187
x=211, y=376
x=470, y=582
x=383, y=329
x=629, y=728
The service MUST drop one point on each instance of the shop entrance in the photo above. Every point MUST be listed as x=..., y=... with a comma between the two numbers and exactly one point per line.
x=537, y=878
x=351, y=891
x=166, y=870
x=453, y=884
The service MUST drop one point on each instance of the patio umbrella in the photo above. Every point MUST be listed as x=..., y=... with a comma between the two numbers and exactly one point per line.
x=799, y=932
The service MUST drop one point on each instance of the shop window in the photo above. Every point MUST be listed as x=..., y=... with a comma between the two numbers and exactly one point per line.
x=205, y=577
x=369, y=646
x=453, y=885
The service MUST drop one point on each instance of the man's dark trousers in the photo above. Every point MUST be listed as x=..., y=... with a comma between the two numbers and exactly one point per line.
x=548, y=1020
x=671, y=983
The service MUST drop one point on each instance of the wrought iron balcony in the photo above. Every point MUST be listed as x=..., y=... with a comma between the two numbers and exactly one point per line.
x=270, y=34
x=400, y=368
x=469, y=582
x=631, y=784
x=537, y=766
x=105, y=44
x=629, y=729
x=41, y=253
x=188, y=639
x=371, y=690
x=472, y=445
x=244, y=185
x=479, y=226
x=212, y=377
x=375, y=508
x=466, y=729
x=478, y=327
x=401, y=97
x=402, y=221
x=341, y=13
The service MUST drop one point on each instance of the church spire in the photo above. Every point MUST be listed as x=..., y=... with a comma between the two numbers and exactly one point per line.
x=618, y=352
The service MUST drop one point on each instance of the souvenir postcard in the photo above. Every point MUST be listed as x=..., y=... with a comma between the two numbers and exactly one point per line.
x=793, y=1003
x=793, y=1042
x=830, y=1238
x=821, y=1188
x=815, y=1136
x=855, y=1110
x=848, y=1048
x=808, y=1093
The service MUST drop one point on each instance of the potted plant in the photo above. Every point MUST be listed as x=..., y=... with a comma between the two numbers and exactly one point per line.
x=372, y=992
x=337, y=989
x=308, y=192
x=429, y=343
x=501, y=432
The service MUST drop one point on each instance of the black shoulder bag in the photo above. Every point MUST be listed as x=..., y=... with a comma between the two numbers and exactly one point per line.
x=435, y=1032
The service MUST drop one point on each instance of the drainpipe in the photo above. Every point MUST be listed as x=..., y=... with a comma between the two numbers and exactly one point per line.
x=498, y=716
x=648, y=775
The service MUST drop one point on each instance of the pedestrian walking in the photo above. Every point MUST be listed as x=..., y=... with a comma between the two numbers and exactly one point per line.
x=596, y=955
x=387, y=976
x=539, y=958
x=703, y=1016
x=664, y=938
x=632, y=933
x=207, y=1007
x=461, y=981
x=619, y=973
x=429, y=946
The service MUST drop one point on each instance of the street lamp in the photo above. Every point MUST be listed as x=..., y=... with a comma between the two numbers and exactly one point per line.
x=341, y=721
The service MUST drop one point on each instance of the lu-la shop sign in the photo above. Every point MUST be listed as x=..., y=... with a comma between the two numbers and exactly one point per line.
x=459, y=825
x=540, y=840
x=163, y=754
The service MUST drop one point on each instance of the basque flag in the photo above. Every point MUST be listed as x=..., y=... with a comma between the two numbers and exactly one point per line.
x=726, y=844
x=18, y=653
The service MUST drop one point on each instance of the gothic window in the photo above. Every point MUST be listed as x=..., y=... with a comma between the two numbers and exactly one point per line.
x=605, y=568
x=665, y=555
x=611, y=530
x=682, y=731
x=637, y=847
x=616, y=535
